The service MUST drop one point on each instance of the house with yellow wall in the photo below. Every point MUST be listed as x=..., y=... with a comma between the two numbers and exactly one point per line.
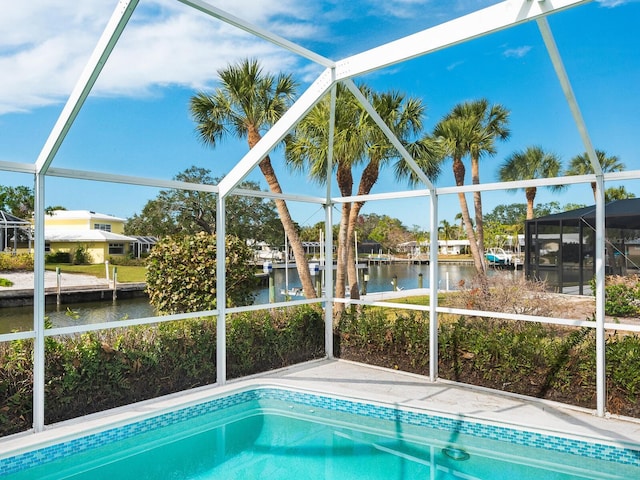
x=100, y=236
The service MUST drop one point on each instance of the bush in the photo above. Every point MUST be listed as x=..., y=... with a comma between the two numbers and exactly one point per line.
x=81, y=256
x=622, y=296
x=128, y=261
x=527, y=358
x=181, y=273
x=58, y=257
x=505, y=293
x=22, y=261
x=99, y=370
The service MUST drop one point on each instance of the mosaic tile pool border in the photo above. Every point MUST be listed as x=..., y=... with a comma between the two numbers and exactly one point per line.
x=50, y=453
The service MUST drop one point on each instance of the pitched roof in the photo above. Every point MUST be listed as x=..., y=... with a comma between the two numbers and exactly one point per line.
x=83, y=215
x=624, y=214
x=12, y=220
x=65, y=235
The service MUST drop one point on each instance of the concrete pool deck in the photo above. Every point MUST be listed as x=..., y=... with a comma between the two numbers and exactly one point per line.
x=376, y=385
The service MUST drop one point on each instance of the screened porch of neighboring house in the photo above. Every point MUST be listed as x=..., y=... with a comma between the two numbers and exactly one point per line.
x=15, y=233
x=560, y=248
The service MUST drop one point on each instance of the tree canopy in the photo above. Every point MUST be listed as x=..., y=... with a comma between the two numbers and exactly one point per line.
x=188, y=212
x=19, y=201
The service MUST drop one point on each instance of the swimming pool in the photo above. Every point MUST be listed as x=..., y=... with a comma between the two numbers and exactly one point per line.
x=283, y=434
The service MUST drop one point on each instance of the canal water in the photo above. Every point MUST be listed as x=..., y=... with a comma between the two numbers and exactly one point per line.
x=380, y=279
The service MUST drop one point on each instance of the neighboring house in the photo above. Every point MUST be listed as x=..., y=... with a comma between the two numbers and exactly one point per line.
x=101, y=236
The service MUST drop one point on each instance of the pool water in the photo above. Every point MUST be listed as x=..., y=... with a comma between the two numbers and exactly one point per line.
x=277, y=438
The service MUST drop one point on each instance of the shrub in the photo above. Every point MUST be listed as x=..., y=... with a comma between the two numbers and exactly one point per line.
x=81, y=256
x=58, y=257
x=260, y=341
x=505, y=293
x=99, y=370
x=622, y=296
x=181, y=273
x=128, y=261
x=22, y=261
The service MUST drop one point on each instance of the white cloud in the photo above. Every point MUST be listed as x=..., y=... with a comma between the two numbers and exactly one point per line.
x=454, y=65
x=518, y=52
x=612, y=3
x=45, y=44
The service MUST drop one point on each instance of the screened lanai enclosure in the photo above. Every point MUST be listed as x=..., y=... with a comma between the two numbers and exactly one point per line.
x=14, y=231
x=560, y=248
x=322, y=76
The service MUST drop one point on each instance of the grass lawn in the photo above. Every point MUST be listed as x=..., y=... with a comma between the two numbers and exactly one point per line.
x=421, y=299
x=126, y=273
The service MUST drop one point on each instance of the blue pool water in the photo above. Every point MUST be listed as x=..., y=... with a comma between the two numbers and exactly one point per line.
x=281, y=434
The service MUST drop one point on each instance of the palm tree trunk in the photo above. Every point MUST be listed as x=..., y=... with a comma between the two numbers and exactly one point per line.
x=290, y=230
x=530, y=193
x=344, y=178
x=352, y=268
x=367, y=181
x=458, y=172
x=287, y=222
x=477, y=205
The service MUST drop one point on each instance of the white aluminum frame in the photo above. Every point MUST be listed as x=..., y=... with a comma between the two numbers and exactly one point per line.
x=500, y=16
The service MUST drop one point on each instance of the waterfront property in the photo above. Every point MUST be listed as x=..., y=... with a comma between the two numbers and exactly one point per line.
x=98, y=235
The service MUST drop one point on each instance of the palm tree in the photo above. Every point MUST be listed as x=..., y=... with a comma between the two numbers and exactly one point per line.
x=531, y=163
x=357, y=139
x=489, y=123
x=458, y=218
x=307, y=152
x=246, y=103
x=404, y=117
x=617, y=193
x=455, y=134
x=447, y=230
x=581, y=165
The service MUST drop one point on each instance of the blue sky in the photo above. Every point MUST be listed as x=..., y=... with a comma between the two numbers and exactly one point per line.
x=136, y=120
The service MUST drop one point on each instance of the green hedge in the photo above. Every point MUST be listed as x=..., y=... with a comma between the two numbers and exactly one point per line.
x=100, y=370
x=10, y=262
x=528, y=358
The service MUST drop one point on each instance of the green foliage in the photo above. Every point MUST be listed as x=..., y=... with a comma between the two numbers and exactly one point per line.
x=181, y=273
x=622, y=300
x=58, y=257
x=175, y=212
x=17, y=201
x=99, y=370
x=258, y=341
x=22, y=261
x=389, y=232
x=5, y=283
x=81, y=256
x=623, y=365
x=622, y=295
x=129, y=261
x=527, y=358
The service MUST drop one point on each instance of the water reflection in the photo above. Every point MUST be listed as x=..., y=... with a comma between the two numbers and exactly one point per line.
x=21, y=318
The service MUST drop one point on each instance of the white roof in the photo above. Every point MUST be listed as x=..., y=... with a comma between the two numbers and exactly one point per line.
x=83, y=215
x=64, y=235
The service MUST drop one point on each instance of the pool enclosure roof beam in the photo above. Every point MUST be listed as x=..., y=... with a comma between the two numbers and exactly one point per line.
x=276, y=133
x=387, y=131
x=97, y=61
x=226, y=17
x=17, y=167
x=477, y=24
x=474, y=25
